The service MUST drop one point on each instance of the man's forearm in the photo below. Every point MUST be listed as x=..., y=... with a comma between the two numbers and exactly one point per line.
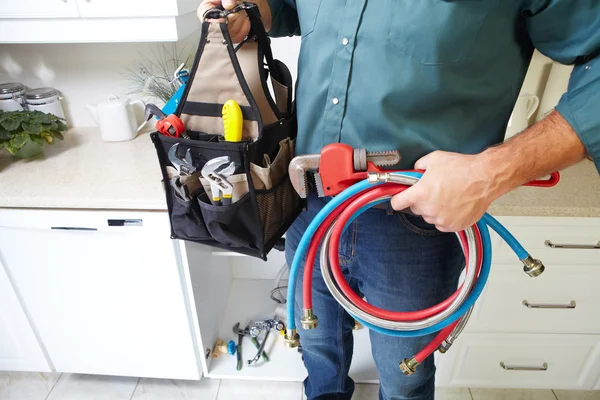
x=549, y=145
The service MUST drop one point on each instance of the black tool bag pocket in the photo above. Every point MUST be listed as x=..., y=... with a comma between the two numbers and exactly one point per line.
x=263, y=204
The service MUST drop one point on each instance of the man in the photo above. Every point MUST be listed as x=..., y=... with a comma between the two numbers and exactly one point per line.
x=436, y=79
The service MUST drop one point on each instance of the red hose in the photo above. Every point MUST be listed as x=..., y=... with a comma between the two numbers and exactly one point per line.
x=344, y=213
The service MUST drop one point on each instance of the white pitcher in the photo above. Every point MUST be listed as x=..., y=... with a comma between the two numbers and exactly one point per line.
x=117, y=118
x=524, y=108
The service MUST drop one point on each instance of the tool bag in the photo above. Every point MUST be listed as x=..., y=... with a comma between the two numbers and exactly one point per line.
x=264, y=203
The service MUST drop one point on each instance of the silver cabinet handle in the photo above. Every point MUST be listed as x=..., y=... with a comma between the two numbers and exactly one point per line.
x=544, y=367
x=571, y=305
x=573, y=246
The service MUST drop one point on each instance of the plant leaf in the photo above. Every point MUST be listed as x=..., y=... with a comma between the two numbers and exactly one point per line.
x=58, y=135
x=17, y=142
x=10, y=124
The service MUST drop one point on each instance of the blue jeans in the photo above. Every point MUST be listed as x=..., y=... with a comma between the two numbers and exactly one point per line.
x=396, y=261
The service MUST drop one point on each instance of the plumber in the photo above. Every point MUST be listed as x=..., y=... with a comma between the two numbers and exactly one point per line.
x=437, y=80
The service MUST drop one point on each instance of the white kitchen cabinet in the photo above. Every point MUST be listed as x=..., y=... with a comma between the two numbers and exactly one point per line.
x=135, y=8
x=19, y=347
x=90, y=21
x=110, y=300
x=522, y=361
x=38, y=9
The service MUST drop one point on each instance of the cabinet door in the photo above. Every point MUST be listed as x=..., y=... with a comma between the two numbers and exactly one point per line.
x=38, y=9
x=106, y=300
x=135, y=8
x=19, y=348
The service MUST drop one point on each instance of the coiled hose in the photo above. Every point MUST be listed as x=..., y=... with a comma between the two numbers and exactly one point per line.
x=448, y=317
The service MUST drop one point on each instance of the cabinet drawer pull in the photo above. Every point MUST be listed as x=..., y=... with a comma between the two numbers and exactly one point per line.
x=571, y=305
x=573, y=246
x=72, y=228
x=544, y=367
x=125, y=222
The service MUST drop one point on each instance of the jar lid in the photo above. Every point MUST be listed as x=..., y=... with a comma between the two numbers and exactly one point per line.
x=41, y=93
x=14, y=87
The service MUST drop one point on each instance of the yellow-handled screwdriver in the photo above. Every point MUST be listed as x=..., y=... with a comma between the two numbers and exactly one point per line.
x=233, y=121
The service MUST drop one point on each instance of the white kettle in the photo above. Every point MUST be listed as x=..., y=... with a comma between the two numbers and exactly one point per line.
x=524, y=108
x=117, y=118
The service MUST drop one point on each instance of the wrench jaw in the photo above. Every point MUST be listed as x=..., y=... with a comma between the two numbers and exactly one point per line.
x=298, y=168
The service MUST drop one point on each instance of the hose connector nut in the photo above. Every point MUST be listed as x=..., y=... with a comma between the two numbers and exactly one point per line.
x=532, y=267
x=444, y=346
x=309, y=320
x=291, y=340
x=377, y=177
x=409, y=366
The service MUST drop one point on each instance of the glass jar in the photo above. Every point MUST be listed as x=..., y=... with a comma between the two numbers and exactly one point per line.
x=12, y=96
x=46, y=100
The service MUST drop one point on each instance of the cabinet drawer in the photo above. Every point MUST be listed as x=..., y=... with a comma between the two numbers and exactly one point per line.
x=564, y=299
x=522, y=361
x=533, y=232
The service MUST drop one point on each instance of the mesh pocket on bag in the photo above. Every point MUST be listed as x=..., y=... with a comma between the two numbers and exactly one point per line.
x=276, y=206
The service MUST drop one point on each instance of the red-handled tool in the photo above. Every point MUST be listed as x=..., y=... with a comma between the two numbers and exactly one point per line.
x=168, y=125
x=339, y=166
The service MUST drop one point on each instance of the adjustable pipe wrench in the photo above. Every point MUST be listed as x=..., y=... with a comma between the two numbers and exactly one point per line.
x=338, y=167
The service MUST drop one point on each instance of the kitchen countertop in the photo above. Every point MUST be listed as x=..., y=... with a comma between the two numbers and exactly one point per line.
x=84, y=172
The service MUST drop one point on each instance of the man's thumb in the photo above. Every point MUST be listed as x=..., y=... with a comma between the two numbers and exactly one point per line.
x=228, y=4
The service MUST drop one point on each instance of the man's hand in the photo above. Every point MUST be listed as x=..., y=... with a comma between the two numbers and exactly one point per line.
x=456, y=189
x=454, y=192
x=239, y=25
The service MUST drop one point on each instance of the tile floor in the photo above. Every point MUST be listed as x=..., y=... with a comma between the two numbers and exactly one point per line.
x=54, y=386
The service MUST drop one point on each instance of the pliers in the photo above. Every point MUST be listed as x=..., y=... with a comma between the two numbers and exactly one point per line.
x=216, y=171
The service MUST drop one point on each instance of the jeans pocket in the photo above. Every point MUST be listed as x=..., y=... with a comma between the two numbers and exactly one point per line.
x=435, y=32
x=417, y=225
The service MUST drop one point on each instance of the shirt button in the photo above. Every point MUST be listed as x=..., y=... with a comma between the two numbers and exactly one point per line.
x=345, y=41
x=588, y=67
x=335, y=100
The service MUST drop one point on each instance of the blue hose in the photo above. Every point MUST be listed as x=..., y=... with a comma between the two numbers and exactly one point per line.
x=483, y=223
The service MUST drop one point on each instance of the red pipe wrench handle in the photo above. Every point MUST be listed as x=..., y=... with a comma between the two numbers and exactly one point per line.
x=550, y=182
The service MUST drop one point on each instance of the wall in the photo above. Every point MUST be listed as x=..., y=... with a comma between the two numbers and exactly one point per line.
x=89, y=73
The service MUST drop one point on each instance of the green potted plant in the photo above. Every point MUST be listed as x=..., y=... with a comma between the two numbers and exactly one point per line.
x=23, y=133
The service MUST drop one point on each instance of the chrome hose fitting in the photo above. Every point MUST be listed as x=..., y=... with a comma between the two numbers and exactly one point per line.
x=291, y=340
x=444, y=346
x=309, y=320
x=532, y=267
x=409, y=366
x=376, y=177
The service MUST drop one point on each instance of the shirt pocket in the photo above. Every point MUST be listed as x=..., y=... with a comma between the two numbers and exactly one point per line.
x=307, y=15
x=435, y=32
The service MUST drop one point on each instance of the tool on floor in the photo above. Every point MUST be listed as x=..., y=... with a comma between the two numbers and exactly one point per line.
x=233, y=121
x=231, y=347
x=184, y=166
x=246, y=332
x=357, y=183
x=168, y=125
x=219, y=349
x=238, y=349
x=260, y=350
x=216, y=171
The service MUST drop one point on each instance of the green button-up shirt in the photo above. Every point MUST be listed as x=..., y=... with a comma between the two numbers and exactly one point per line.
x=423, y=75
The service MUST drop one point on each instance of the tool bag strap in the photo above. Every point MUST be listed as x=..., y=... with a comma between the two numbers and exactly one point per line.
x=223, y=71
